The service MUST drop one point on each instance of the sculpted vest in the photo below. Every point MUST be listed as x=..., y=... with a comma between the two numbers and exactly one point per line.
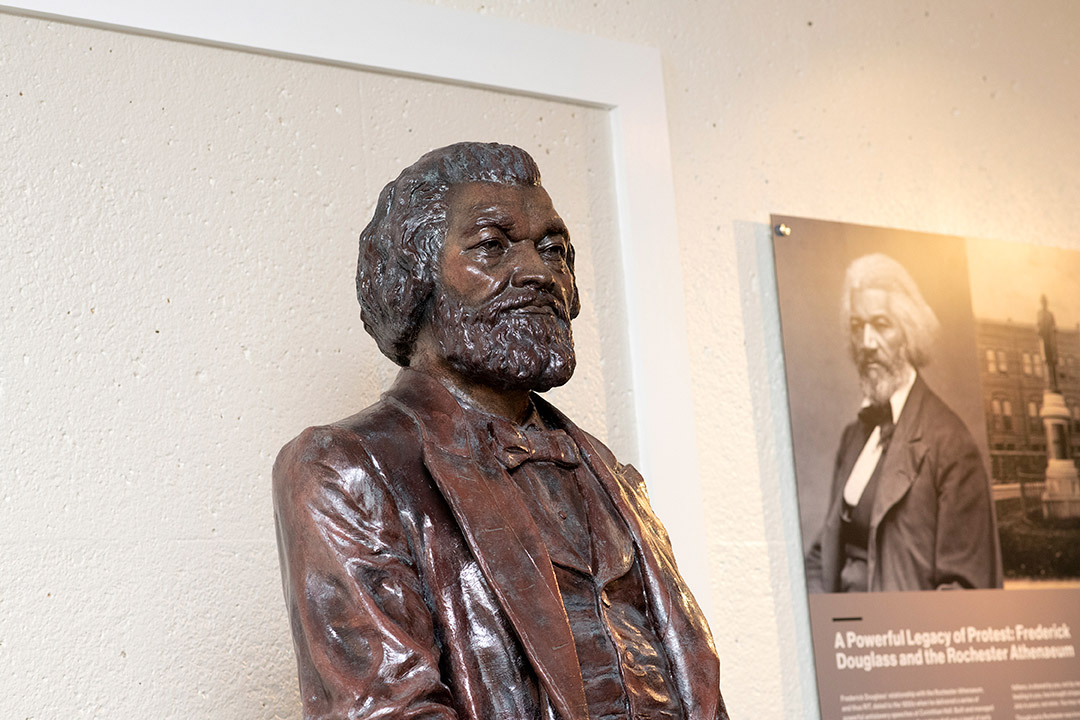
x=624, y=665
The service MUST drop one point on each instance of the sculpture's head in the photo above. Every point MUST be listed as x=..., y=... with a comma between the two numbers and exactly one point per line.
x=890, y=327
x=465, y=244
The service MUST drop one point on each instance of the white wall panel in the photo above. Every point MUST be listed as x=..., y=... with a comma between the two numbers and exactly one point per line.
x=180, y=228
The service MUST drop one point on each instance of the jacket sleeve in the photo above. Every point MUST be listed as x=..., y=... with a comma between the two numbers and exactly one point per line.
x=364, y=636
x=966, y=543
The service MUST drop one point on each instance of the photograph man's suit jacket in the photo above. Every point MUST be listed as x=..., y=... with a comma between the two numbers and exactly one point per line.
x=417, y=583
x=932, y=520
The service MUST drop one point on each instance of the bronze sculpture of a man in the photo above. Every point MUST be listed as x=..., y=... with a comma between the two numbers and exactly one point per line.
x=461, y=549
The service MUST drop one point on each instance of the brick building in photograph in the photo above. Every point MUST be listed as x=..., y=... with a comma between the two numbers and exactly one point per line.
x=1013, y=375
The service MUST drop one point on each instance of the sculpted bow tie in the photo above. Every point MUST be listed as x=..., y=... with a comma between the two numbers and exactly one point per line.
x=513, y=447
x=873, y=416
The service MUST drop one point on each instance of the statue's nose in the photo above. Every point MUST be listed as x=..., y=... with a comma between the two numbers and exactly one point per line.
x=530, y=268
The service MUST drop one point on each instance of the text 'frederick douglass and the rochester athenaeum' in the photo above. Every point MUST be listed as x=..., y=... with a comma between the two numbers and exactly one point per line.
x=907, y=647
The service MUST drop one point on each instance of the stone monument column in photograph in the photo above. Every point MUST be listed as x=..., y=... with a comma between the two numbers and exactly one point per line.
x=1061, y=498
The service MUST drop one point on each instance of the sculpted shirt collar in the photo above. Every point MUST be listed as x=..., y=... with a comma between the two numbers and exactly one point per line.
x=532, y=440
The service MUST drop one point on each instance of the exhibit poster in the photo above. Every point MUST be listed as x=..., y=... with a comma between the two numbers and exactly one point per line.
x=934, y=393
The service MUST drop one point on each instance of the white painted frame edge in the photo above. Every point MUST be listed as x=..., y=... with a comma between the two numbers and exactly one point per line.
x=447, y=45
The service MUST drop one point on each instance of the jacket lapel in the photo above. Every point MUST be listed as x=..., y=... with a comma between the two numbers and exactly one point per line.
x=501, y=534
x=903, y=456
x=679, y=621
x=901, y=466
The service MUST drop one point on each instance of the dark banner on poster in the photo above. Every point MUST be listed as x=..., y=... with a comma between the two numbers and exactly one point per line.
x=973, y=655
x=934, y=391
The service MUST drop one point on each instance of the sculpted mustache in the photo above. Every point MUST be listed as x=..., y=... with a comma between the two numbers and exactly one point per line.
x=520, y=299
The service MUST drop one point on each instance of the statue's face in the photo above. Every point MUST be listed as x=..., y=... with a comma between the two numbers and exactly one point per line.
x=502, y=307
x=877, y=344
x=500, y=236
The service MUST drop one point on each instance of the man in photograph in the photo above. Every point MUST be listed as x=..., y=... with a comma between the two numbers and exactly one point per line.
x=911, y=506
x=460, y=549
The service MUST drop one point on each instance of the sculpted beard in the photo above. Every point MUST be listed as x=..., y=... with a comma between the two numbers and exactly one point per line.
x=521, y=339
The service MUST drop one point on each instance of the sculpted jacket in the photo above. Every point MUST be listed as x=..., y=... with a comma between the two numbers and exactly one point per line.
x=417, y=584
x=932, y=520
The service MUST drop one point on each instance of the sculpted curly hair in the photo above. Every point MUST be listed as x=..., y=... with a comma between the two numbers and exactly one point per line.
x=399, y=249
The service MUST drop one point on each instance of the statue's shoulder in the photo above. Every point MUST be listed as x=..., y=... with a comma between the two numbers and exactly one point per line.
x=373, y=439
x=603, y=452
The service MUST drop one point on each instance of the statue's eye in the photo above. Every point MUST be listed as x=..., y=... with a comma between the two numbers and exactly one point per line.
x=492, y=241
x=554, y=251
x=554, y=248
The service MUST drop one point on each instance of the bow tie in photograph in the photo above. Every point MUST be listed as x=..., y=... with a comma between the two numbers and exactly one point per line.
x=513, y=447
x=880, y=415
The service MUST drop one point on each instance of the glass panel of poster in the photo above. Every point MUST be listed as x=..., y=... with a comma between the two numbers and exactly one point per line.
x=934, y=393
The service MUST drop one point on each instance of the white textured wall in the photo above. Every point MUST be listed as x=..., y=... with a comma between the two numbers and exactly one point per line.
x=179, y=230
x=168, y=208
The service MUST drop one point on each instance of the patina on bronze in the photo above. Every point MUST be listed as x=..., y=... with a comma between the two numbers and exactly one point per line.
x=461, y=549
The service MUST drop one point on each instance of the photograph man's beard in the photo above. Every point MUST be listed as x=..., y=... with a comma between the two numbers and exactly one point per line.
x=520, y=340
x=880, y=374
